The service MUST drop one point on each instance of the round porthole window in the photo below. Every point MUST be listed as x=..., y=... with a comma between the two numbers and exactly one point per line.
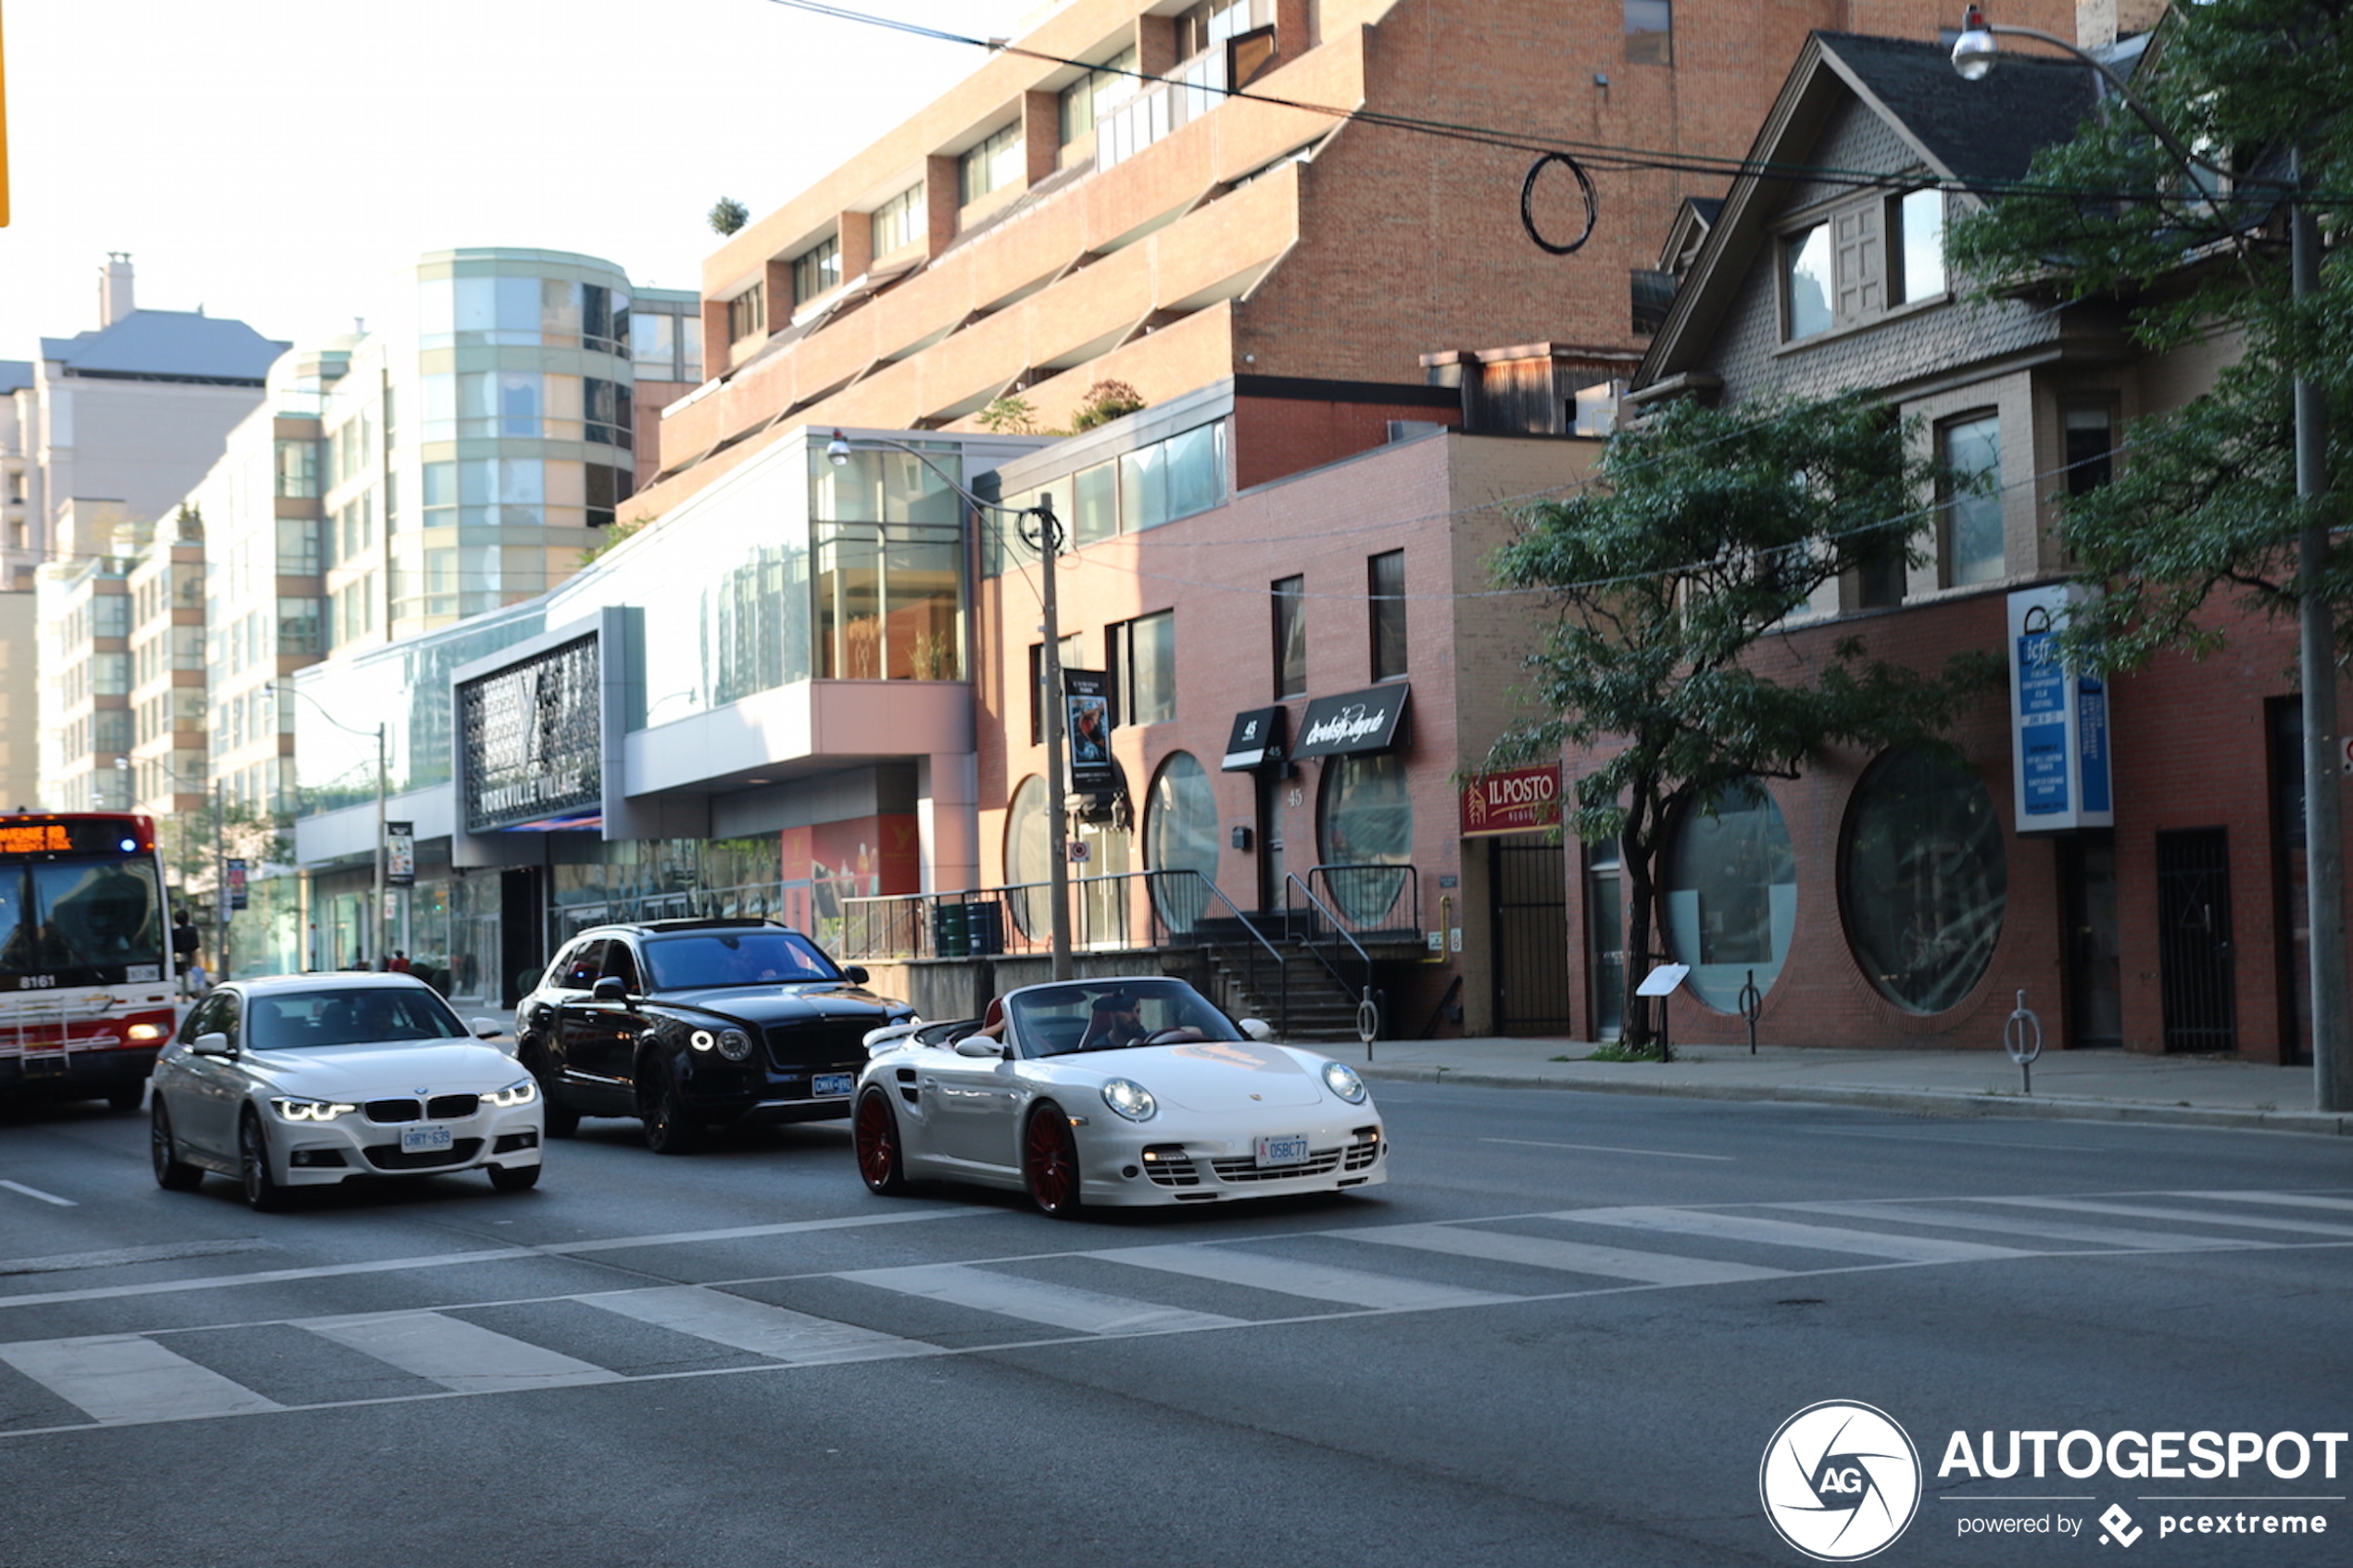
x=1368, y=827
x=1923, y=879
x=1180, y=837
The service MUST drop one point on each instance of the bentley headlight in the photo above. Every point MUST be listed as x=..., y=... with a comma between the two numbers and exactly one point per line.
x=1342, y=1080
x=1131, y=1099
x=702, y=1039
x=293, y=1110
x=734, y=1044
x=522, y=1091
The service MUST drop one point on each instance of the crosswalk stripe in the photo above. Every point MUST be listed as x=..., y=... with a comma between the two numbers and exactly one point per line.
x=1288, y=1277
x=2008, y=1224
x=2140, y=1211
x=755, y=1326
x=1786, y=1233
x=2288, y=1200
x=1088, y=1311
x=120, y=1378
x=1568, y=1257
x=458, y=1355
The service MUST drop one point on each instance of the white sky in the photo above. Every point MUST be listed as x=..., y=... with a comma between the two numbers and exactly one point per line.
x=277, y=160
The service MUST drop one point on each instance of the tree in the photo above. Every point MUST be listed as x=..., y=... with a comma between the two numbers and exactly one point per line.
x=1009, y=415
x=1105, y=401
x=1709, y=530
x=2204, y=502
x=727, y=215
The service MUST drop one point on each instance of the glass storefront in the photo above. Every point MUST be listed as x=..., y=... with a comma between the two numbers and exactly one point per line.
x=1731, y=894
x=1180, y=835
x=1367, y=822
x=1923, y=879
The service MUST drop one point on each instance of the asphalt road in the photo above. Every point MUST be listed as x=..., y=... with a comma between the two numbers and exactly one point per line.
x=1563, y=1334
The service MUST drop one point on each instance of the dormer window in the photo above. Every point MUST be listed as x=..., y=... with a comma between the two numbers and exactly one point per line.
x=1856, y=263
x=1805, y=282
x=1918, y=228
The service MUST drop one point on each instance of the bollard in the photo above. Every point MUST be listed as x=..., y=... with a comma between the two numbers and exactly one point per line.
x=1752, y=1006
x=2023, y=1037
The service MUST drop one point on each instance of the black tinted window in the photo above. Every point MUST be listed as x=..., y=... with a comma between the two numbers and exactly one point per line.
x=734, y=958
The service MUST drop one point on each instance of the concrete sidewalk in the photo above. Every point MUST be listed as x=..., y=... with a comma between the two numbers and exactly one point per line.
x=2105, y=1085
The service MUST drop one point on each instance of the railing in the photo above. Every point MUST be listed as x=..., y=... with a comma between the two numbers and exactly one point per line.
x=1373, y=900
x=1319, y=928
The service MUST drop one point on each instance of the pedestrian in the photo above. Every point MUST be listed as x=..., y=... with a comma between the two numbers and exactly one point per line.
x=186, y=961
x=399, y=964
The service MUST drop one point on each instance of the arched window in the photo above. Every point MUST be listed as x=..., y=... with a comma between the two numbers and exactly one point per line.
x=1367, y=822
x=1923, y=880
x=1028, y=842
x=1180, y=835
x=1730, y=890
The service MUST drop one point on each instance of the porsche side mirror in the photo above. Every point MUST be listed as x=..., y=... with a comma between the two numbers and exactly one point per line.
x=611, y=988
x=856, y=974
x=979, y=1045
x=212, y=1045
x=488, y=1028
x=1258, y=1029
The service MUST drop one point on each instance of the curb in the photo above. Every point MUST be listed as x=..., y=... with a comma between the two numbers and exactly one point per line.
x=1931, y=1102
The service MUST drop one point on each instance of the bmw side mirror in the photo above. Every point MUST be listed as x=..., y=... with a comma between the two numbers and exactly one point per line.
x=212, y=1045
x=611, y=988
x=488, y=1028
x=856, y=974
x=1258, y=1029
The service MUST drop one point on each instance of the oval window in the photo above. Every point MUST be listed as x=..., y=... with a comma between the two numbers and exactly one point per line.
x=1180, y=837
x=1730, y=892
x=1026, y=846
x=1924, y=882
x=1367, y=827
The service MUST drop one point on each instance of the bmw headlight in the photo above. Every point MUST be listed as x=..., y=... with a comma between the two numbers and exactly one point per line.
x=1131, y=1099
x=734, y=1044
x=522, y=1091
x=293, y=1110
x=1342, y=1080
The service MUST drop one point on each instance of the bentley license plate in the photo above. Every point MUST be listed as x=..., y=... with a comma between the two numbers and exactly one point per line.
x=1291, y=1150
x=831, y=1085
x=425, y=1140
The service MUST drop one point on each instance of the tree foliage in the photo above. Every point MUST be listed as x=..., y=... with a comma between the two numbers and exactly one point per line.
x=2204, y=503
x=1709, y=530
x=1105, y=401
x=727, y=215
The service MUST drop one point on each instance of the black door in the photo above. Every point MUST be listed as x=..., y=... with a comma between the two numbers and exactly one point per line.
x=522, y=950
x=2196, y=974
x=2095, y=948
x=1528, y=886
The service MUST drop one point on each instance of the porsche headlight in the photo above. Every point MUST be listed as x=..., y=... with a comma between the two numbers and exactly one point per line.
x=734, y=1044
x=1342, y=1080
x=522, y=1091
x=1131, y=1099
x=702, y=1039
x=293, y=1110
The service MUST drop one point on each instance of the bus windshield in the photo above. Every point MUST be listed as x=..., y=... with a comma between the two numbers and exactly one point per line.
x=60, y=915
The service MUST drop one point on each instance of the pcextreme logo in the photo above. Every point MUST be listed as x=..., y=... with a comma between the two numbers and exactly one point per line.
x=1839, y=1480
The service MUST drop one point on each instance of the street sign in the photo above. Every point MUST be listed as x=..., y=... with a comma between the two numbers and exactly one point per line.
x=236, y=885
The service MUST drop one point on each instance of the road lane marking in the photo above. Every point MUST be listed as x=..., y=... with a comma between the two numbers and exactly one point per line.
x=745, y=1324
x=1941, y=1139
x=1089, y=1312
x=123, y=1380
x=44, y=1197
x=1605, y=1148
x=462, y=1357
x=2140, y=1211
x=1286, y=1277
x=1565, y=1257
x=1787, y=1233
x=2290, y=1199
x=119, y=1257
x=2101, y=1235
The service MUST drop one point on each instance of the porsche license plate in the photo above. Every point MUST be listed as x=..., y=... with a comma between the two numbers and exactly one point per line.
x=1291, y=1150
x=425, y=1140
x=831, y=1085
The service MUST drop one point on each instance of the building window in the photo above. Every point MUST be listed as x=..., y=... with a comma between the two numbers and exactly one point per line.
x=298, y=626
x=1095, y=504
x=747, y=313
x=111, y=615
x=1143, y=669
x=1385, y=585
x=2091, y=447
x=1212, y=22
x=1650, y=33
x=1028, y=843
x=1805, y=282
x=1731, y=894
x=994, y=164
x=1970, y=450
x=1095, y=94
x=1923, y=881
x=816, y=270
x=1172, y=479
x=1593, y=410
x=1917, y=227
x=1291, y=637
x=1366, y=826
x=902, y=221
x=1180, y=835
x=299, y=469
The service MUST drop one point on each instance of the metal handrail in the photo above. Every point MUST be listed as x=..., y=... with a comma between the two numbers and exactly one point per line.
x=1249, y=980
x=1290, y=880
x=1408, y=890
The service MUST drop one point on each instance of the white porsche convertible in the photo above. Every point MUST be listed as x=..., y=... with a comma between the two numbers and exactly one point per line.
x=1128, y=1092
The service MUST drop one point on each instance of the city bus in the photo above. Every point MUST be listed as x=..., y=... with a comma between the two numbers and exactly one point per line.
x=85, y=956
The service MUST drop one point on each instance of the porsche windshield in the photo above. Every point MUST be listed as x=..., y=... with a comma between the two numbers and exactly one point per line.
x=1109, y=1014
x=752, y=957
x=352, y=1015
x=58, y=915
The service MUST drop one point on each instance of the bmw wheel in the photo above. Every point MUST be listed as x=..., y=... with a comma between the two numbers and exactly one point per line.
x=262, y=1191
x=173, y=1173
x=1050, y=1162
x=875, y=1131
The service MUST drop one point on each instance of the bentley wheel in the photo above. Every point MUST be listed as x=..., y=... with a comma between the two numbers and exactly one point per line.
x=875, y=1132
x=262, y=1191
x=173, y=1173
x=514, y=1178
x=1050, y=1162
x=670, y=1127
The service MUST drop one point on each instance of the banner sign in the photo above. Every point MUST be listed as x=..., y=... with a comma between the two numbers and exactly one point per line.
x=533, y=736
x=1513, y=801
x=1358, y=721
x=401, y=854
x=2060, y=762
x=1087, y=710
x=236, y=872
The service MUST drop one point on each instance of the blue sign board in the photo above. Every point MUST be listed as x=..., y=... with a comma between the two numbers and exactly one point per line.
x=2058, y=721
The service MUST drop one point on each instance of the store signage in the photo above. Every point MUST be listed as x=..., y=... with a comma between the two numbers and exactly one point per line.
x=1087, y=709
x=1516, y=800
x=533, y=739
x=401, y=854
x=1256, y=739
x=1356, y=722
x=2059, y=754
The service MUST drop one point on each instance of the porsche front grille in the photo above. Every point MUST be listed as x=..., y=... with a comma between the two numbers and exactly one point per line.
x=1242, y=1168
x=1169, y=1166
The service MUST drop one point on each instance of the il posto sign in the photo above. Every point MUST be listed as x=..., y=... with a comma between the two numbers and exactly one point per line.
x=1515, y=802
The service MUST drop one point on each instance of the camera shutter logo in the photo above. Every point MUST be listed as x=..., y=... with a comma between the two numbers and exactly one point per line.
x=1839, y=1480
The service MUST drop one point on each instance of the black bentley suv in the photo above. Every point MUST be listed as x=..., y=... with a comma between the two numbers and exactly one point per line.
x=688, y=1024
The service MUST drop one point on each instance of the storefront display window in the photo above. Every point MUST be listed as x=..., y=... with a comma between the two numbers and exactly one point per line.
x=1923, y=879
x=1730, y=890
x=1367, y=823
x=1180, y=826
x=1027, y=843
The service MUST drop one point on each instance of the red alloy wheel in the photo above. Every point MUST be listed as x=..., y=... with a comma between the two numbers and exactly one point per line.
x=875, y=1132
x=1051, y=1162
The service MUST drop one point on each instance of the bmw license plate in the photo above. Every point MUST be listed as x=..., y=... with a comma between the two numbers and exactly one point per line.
x=1291, y=1150
x=425, y=1140
x=831, y=1085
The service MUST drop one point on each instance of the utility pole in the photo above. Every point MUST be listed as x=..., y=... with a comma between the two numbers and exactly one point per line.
x=1047, y=537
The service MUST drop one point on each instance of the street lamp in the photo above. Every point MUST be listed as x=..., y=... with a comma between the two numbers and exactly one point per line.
x=2332, y=999
x=376, y=902
x=220, y=859
x=1046, y=539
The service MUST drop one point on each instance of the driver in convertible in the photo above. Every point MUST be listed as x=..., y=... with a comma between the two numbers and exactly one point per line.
x=1113, y=1024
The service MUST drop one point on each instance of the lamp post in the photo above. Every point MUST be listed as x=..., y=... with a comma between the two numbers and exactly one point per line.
x=376, y=901
x=1974, y=53
x=1045, y=537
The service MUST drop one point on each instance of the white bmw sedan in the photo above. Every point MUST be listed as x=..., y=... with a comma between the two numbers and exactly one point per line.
x=309, y=1080
x=1117, y=1092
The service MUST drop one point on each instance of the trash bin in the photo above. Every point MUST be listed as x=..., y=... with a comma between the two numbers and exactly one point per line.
x=985, y=928
x=951, y=936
